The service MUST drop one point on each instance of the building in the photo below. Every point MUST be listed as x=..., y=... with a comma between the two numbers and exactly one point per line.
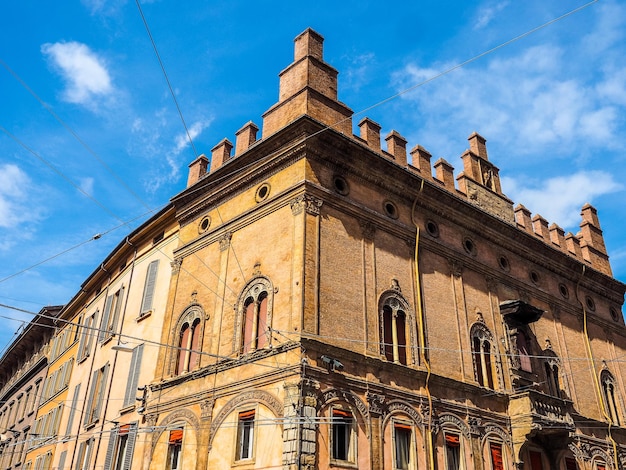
x=332, y=305
x=23, y=372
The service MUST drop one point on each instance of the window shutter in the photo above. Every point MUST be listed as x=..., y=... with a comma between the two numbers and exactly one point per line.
x=110, y=449
x=133, y=376
x=88, y=456
x=92, y=393
x=105, y=319
x=148, y=291
x=100, y=398
x=62, y=460
x=118, y=308
x=496, y=456
x=130, y=447
x=70, y=419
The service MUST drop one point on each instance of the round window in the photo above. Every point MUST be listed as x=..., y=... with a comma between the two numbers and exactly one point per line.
x=262, y=192
x=341, y=185
x=390, y=209
x=204, y=224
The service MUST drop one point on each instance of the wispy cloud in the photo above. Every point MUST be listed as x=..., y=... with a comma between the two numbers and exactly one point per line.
x=560, y=199
x=84, y=72
x=153, y=138
x=13, y=196
x=487, y=13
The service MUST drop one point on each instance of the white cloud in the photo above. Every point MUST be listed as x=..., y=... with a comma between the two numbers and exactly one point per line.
x=560, y=199
x=14, y=184
x=84, y=72
x=487, y=13
x=86, y=185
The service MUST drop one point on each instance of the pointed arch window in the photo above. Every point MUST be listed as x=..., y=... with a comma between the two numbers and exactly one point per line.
x=187, y=341
x=395, y=329
x=188, y=347
x=255, y=313
x=483, y=354
x=523, y=348
x=609, y=394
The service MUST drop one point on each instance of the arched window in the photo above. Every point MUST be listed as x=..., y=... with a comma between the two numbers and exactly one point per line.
x=255, y=308
x=609, y=394
x=483, y=354
x=189, y=347
x=187, y=340
x=395, y=327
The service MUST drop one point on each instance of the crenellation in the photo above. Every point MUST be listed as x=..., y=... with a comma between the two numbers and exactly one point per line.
x=444, y=173
x=421, y=161
x=245, y=137
x=220, y=154
x=540, y=227
x=557, y=236
x=197, y=169
x=478, y=145
x=522, y=218
x=396, y=147
x=370, y=133
x=573, y=245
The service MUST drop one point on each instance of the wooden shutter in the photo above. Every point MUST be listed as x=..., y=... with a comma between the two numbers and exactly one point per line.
x=248, y=322
x=148, y=290
x=116, y=313
x=130, y=447
x=104, y=326
x=110, y=449
x=133, y=377
x=92, y=394
x=62, y=460
x=496, y=456
x=101, y=391
x=262, y=326
x=70, y=419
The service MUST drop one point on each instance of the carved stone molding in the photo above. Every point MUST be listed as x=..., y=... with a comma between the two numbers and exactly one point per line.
x=347, y=396
x=306, y=202
x=397, y=406
x=225, y=241
x=368, y=229
x=456, y=267
x=447, y=421
x=252, y=396
x=207, y=409
x=376, y=403
x=176, y=264
x=184, y=414
x=151, y=419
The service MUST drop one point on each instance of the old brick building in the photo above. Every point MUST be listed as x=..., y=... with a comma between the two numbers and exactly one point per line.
x=332, y=305
x=344, y=308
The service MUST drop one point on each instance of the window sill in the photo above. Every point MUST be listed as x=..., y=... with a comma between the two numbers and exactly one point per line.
x=243, y=462
x=143, y=316
x=343, y=464
x=127, y=409
x=107, y=339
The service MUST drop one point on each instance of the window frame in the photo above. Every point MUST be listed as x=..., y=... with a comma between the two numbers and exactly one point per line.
x=246, y=434
x=175, y=449
x=484, y=356
x=396, y=335
x=409, y=428
x=258, y=293
x=343, y=416
x=147, y=298
x=449, y=444
x=610, y=397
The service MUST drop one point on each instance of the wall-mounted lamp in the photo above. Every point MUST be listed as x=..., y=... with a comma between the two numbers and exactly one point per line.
x=331, y=363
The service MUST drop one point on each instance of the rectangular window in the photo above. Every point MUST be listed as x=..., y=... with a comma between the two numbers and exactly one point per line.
x=245, y=435
x=96, y=394
x=453, y=451
x=84, y=455
x=120, y=450
x=148, y=290
x=133, y=377
x=402, y=446
x=175, y=450
x=111, y=314
x=86, y=338
x=342, y=437
x=496, y=456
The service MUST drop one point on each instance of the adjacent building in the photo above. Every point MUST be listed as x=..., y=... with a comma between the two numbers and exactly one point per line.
x=313, y=300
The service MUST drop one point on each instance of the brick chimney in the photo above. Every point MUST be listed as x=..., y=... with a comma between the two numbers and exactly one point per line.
x=197, y=169
x=220, y=154
x=245, y=137
x=370, y=133
x=396, y=147
x=308, y=86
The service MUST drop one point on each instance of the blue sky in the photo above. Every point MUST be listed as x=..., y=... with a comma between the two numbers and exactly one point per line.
x=551, y=105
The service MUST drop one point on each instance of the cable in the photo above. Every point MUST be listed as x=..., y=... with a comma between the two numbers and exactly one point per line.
x=169, y=85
